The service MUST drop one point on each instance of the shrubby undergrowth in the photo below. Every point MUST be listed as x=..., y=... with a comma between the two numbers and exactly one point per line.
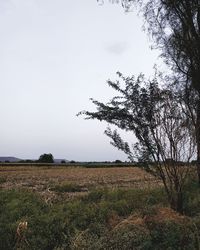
x=103, y=219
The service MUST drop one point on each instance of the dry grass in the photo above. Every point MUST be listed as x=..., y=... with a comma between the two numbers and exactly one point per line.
x=41, y=179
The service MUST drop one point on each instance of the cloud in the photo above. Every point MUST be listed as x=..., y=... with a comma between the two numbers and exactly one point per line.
x=117, y=48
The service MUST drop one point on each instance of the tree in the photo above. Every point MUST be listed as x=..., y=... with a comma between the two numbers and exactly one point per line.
x=177, y=31
x=117, y=161
x=46, y=158
x=175, y=28
x=160, y=123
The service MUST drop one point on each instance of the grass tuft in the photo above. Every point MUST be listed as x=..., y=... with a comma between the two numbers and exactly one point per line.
x=67, y=187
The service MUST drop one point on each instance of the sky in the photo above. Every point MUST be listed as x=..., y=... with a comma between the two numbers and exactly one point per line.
x=54, y=56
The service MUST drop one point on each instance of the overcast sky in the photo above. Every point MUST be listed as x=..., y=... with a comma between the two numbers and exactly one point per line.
x=54, y=56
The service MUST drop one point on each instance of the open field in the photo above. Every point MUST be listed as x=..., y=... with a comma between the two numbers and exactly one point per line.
x=43, y=179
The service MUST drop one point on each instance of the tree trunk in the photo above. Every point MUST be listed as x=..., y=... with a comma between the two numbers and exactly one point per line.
x=179, y=207
x=198, y=140
x=176, y=202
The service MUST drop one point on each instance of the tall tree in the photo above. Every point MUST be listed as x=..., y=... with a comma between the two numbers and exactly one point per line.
x=175, y=25
x=175, y=28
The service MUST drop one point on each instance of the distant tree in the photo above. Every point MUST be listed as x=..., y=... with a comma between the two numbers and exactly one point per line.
x=63, y=161
x=72, y=161
x=118, y=161
x=46, y=158
x=29, y=161
x=21, y=161
x=160, y=123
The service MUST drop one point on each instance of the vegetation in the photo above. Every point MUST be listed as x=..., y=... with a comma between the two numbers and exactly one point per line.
x=46, y=158
x=158, y=119
x=175, y=28
x=67, y=187
x=165, y=120
x=104, y=219
x=2, y=180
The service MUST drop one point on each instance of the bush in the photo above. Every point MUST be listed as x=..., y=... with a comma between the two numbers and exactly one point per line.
x=192, y=198
x=127, y=237
x=170, y=230
x=46, y=229
x=67, y=187
x=87, y=239
x=2, y=179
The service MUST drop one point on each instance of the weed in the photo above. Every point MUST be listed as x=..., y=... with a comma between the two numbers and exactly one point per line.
x=2, y=179
x=67, y=187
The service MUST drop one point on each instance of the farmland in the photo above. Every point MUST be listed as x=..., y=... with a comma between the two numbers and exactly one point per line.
x=37, y=178
x=43, y=180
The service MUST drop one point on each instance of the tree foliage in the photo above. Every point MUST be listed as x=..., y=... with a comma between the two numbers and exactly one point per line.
x=158, y=118
x=166, y=121
x=175, y=28
x=46, y=158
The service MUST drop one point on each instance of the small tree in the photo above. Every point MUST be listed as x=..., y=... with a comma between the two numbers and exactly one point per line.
x=46, y=158
x=160, y=123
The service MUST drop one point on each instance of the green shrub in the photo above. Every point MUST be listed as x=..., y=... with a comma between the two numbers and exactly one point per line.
x=192, y=198
x=47, y=228
x=127, y=237
x=95, y=195
x=49, y=231
x=172, y=235
x=80, y=215
x=87, y=239
x=66, y=187
x=2, y=179
x=93, y=222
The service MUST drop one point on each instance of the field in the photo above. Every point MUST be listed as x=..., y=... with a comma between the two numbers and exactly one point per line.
x=67, y=207
x=43, y=180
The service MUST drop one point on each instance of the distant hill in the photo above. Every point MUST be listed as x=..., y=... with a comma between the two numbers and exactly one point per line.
x=15, y=159
x=9, y=159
